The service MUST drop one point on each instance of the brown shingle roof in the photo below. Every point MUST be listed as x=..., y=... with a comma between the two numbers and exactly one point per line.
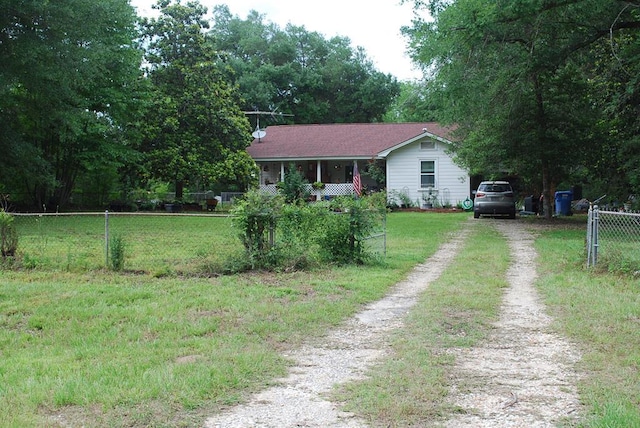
x=356, y=140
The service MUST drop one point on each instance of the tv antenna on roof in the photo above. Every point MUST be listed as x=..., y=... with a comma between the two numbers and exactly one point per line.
x=261, y=133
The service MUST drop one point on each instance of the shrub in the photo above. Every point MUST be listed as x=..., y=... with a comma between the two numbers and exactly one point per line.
x=294, y=236
x=255, y=216
x=8, y=235
x=294, y=186
x=117, y=251
x=400, y=199
x=344, y=233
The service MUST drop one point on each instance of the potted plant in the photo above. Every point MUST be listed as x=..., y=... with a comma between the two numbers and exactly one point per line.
x=429, y=198
x=173, y=207
x=318, y=185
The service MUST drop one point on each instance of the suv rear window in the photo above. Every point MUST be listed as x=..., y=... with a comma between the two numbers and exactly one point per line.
x=495, y=188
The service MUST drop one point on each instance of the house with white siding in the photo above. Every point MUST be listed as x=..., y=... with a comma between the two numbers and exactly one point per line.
x=413, y=157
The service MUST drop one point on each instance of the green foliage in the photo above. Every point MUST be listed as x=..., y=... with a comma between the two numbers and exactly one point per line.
x=299, y=72
x=255, y=217
x=346, y=227
x=293, y=187
x=517, y=80
x=282, y=236
x=68, y=94
x=117, y=252
x=400, y=199
x=8, y=235
x=376, y=170
x=194, y=128
x=296, y=235
x=413, y=104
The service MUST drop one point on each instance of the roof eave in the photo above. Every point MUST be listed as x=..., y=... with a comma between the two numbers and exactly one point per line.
x=316, y=158
x=383, y=154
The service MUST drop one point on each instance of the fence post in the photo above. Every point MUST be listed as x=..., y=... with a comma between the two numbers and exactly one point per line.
x=589, y=234
x=106, y=239
x=272, y=234
x=596, y=242
x=384, y=234
x=592, y=236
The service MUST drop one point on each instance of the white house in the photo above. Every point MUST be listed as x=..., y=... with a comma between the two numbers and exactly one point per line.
x=413, y=156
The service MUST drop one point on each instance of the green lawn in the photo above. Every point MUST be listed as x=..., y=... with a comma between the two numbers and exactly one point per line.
x=96, y=348
x=91, y=347
x=599, y=312
x=158, y=244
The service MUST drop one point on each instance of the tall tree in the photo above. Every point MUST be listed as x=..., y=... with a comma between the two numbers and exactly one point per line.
x=195, y=126
x=511, y=75
x=301, y=73
x=615, y=67
x=65, y=92
x=414, y=104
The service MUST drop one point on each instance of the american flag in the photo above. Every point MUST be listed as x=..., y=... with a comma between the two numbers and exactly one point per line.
x=357, y=184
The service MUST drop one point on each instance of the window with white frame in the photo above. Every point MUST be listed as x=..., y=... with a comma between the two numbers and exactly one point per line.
x=427, y=174
x=427, y=145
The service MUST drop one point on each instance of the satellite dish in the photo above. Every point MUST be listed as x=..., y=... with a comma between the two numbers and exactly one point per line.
x=258, y=133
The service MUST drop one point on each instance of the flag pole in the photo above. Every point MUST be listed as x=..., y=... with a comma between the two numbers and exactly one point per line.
x=357, y=182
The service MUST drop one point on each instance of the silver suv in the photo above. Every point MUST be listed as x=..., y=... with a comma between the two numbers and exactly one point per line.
x=494, y=198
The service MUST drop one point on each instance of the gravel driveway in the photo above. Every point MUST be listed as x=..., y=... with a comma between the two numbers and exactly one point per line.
x=520, y=377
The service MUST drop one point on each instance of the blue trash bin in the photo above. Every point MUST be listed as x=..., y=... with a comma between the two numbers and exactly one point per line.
x=563, y=202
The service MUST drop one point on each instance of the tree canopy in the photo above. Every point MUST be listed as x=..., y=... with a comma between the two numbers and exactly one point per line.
x=301, y=73
x=66, y=93
x=518, y=80
x=194, y=128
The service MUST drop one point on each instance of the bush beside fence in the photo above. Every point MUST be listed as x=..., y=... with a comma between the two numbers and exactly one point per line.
x=158, y=244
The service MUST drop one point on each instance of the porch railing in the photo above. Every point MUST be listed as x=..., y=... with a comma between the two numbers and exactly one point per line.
x=330, y=189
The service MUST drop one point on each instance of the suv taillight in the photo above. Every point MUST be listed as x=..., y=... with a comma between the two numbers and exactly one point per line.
x=480, y=195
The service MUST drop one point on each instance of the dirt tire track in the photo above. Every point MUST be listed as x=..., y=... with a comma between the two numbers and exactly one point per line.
x=345, y=354
x=523, y=375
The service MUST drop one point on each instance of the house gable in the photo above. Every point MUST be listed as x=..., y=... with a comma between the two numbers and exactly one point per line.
x=425, y=137
x=413, y=168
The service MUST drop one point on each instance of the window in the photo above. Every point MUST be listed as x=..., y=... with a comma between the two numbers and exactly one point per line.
x=428, y=174
x=427, y=145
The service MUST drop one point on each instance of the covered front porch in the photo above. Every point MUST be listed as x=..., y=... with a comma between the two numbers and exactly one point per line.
x=327, y=178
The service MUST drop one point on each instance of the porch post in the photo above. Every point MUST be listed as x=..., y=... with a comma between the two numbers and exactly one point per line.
x=281, y=171
x=318, y=171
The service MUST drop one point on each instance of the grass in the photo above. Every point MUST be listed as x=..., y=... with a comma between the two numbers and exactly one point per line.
x=159, y=245
x=455, y=311
x=98, y=348
x=600, y=311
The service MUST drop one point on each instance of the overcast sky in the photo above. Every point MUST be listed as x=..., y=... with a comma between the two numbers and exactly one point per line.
x=374, y=25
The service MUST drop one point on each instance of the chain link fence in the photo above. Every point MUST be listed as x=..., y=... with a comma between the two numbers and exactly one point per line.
x=613, y=240
x=157, y=243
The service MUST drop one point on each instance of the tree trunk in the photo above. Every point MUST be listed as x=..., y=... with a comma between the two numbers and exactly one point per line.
x=179, y=189
x=546, y=191
x=541, y=125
